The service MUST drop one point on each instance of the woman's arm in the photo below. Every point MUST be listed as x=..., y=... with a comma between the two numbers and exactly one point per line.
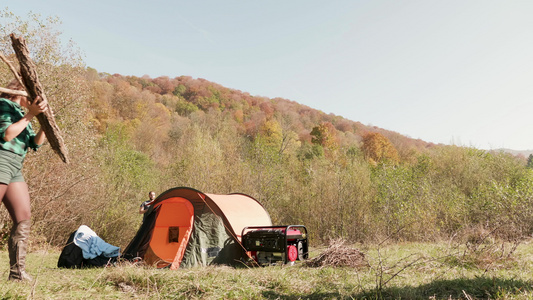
x=16, y=128
x=39, y=138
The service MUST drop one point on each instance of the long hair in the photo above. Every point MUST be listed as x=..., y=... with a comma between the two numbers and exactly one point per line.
x=12, y=85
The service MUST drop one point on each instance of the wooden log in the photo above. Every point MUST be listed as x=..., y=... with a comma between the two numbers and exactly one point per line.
x=29, y=76
x=13, y=92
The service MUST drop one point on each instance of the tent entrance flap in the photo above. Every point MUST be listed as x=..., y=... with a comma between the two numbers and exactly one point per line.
x=174, y=221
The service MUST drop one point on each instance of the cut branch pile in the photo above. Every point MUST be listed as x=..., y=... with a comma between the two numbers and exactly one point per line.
x=338, y=255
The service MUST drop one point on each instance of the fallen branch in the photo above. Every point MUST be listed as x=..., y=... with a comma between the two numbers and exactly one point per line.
x=17, y=76
x=12, y=68
x=13, y=92
x=33, y=87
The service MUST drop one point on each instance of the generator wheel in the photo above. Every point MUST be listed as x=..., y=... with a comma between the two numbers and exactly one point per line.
x=300, y=250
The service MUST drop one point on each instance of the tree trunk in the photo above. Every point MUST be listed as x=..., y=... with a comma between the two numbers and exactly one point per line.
x=34, y=89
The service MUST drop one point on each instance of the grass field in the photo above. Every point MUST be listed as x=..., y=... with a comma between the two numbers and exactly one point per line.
x=400, y=271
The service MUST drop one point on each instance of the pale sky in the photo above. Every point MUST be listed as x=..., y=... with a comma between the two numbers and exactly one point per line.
x=452, y=72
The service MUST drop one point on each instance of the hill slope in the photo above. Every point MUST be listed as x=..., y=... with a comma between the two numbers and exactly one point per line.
x=186, y=96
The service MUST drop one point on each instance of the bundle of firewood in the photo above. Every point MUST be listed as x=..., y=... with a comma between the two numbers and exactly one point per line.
x=338, y=255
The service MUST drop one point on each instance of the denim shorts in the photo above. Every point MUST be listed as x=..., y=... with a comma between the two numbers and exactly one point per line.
x=10, y=167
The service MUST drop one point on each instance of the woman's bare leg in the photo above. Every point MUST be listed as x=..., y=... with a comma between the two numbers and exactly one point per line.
x=17, y=200
x=3, y=189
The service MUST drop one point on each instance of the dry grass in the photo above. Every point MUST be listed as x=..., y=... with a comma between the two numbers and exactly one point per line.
x=429, y=279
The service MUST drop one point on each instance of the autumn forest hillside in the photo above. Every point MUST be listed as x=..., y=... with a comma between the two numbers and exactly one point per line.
x=128, y=135
x=280, y=121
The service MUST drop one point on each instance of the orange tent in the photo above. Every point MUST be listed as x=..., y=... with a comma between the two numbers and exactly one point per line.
x=186, y=228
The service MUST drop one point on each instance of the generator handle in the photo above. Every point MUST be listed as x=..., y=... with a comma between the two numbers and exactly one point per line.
x=286, y=227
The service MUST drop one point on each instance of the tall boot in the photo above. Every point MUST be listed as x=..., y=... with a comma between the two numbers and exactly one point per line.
x=17, y=244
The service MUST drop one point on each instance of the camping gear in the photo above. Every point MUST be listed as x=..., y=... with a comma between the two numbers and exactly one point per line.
x=17, y=246
x=84, y=249
x=272, y=244
x=92, y=245
x=187, y=228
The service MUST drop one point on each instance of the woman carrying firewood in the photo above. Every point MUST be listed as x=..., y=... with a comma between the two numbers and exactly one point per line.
x=16, y=136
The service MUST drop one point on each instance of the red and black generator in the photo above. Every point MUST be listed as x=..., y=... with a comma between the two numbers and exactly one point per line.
x=272, y=244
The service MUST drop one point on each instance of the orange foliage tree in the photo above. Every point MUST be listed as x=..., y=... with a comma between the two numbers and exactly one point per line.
x=325, y=135
x=377, y=148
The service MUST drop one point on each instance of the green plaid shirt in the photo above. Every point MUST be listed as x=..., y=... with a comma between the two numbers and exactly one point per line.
x=11, y=112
